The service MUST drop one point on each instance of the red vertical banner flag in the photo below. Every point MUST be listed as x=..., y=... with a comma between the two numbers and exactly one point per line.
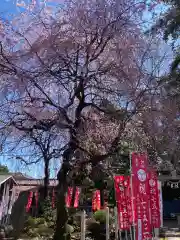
x=121, y=189
x=96, y=201
x=76, y=199
x=140, y=185
x=154, y=199
x=129, y=199
x=28, y=206
x=69, y=196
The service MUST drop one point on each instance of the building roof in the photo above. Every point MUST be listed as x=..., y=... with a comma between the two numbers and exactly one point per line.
x=36, y=182
x=20, y=176
x=4, y=178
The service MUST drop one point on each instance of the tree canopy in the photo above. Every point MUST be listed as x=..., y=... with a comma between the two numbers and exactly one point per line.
x=4, y=169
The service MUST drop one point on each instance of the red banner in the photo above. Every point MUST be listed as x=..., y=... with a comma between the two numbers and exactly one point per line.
x=28, y=206
x=96, y=201
x=129, y=199
x=154, y=199
x=76, y=200
x=141, y=195
x=121, y=184
x=69, y=197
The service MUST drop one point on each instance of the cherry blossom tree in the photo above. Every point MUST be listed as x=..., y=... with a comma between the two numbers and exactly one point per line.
x=63, y=71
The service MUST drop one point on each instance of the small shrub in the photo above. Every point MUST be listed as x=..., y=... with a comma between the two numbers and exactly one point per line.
x=40, y=220
x=31, y=222
x=33, y=233
x=42, y=226
x=93, y=227
x=97, y=231
x=69, y=229
x=100, y=216
x=50, y=224
x=44, y=231
x=89, y=222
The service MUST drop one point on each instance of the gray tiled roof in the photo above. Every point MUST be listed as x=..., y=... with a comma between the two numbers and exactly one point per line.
x=3, y=178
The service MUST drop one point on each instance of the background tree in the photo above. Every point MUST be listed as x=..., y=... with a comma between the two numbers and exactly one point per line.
x=166, y=120
x=169, y=24
x=4, y=169
x=44, y=148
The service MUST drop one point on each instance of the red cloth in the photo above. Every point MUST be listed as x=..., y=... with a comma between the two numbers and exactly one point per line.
x=121, y=184
x=28, y=206
x=96, y=201
x=141, y=193
x=154, y=199
x=77, y=195
x=69, y=197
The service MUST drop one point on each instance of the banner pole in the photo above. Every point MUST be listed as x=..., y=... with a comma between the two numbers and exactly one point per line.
x=119, y=233
x=116, y=223
x=126, y=235
x=134, y=229
x=160, y=202
x=107, y=224
x=117, y=218
x=83, y=225
x=131, y=235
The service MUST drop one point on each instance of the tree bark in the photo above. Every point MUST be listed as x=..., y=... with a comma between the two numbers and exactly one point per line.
x=62, y=215
x=46, y=178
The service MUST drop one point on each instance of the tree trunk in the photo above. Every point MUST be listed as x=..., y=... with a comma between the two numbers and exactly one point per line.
x=64, y=179
x=46, y=178
x=62, y=215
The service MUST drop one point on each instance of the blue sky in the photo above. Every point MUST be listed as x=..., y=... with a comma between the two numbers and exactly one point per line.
x=9, y=7
x=14, y=7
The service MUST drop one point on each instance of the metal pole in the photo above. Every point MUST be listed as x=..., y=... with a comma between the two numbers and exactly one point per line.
x=126, y=235
x=107, y=223
x=83, y=225
x=134, y=234
x=131, y=234
x=119, y=233
x=160, y=202
x=116, y=223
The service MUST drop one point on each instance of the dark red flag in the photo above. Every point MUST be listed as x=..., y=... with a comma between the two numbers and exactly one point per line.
x=96, y=201
x=76, y=200
x=69, y=197
x=154, y=199
x=28, y=206
x=121, y=184
x=141, y=194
